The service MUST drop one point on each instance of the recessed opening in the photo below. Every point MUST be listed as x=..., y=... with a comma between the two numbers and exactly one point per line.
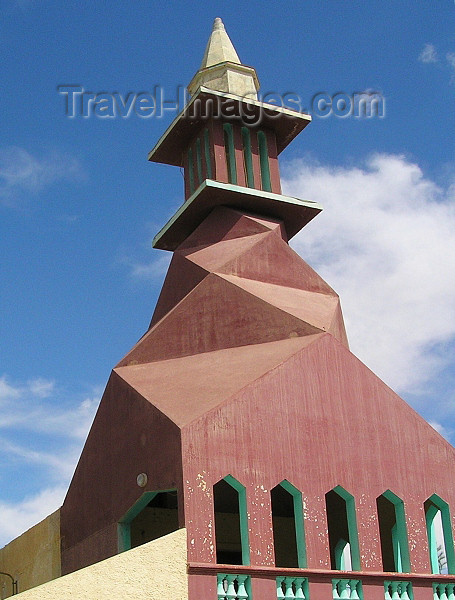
x=159, y=517
x=390, y=547
x=230, y=523
x=339, y=534
x=439, y=532
x=393, y=533
x=284, y=528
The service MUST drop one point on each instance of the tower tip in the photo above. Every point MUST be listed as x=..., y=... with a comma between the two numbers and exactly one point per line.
x=221, y=69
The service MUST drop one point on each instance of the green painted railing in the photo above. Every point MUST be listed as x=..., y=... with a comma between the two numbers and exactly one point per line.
x=398, y=590
x=347, y=588
x=288, y=588
x=444, y=591
x=233, y=587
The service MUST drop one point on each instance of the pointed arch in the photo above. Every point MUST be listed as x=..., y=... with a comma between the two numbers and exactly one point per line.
x=288, y=526
x=342, y=530
x=393, y=533
x=231, y=522
x=155, y=514
x=439, y=533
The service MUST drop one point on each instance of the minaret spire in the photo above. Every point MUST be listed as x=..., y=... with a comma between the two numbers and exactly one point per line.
x=219, y=47
x=227, y=142
x=221, y=69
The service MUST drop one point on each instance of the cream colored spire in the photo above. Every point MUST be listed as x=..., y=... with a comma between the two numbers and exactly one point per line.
x=221, y=69
x=219, y=48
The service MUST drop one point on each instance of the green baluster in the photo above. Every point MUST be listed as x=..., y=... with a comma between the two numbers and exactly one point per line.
x=231, y=594
x=299, y=593
x=242, y=594
x=394, y=585
x=335, y=593
x=442, y=591
x=404, y=590
x=220, y=587
x=354, y=583
x=450, y=591
x=344, y=592
x=279, y=588
x=289, y=595
x=387, y=595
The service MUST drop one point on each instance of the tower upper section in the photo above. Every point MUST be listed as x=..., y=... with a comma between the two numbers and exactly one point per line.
x=221, y=68
x=228, y=142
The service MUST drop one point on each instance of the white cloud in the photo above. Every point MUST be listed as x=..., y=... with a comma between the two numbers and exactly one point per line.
x=42, y=388
x=428, y=54
x=441, y=429
x=7, y=391
x=386, y=243
x=148, y=270
x=41, y=409
x=15, y=518
x=42, y=433
x=21, y=172
x=61, y=463
x=450, y=57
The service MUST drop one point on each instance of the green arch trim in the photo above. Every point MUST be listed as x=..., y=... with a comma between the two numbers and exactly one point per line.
x=299, y=521
x=441, y=505
x=243, y=517
x=124, y=524
x=352, y=526
x=400, y=534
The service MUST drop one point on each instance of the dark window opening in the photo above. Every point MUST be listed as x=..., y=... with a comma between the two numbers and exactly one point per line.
x=284, y=529
x=390, y=548
x=158, y=518
x=228, y=533
x=338, y=526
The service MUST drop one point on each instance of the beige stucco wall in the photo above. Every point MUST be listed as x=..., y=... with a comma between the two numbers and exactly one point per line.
x=154, y=571
x=34, y=557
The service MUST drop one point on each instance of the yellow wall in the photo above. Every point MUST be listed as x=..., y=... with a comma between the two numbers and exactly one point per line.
x=154, y=571
x=34, y=557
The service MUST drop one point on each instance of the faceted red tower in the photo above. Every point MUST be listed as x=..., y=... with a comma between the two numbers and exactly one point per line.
x=241, y=415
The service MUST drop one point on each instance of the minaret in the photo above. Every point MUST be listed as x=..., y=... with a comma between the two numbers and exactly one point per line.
x=240, y=425
x=228, y=145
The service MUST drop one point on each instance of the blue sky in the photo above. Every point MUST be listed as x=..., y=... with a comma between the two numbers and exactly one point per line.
x=80, y=204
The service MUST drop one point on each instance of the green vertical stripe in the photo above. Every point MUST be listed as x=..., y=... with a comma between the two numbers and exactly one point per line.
x=264, y=160
x=247, y=157
x=208, y=162
x=199, y=160
x=190, y=170
x=230, y=152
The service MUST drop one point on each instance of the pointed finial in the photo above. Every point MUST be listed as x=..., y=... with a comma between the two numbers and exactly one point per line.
x=219, y=48
x=221, y=69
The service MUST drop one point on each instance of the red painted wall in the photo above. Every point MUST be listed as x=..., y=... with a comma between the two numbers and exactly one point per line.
x=129, y=436
x=320, y=420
